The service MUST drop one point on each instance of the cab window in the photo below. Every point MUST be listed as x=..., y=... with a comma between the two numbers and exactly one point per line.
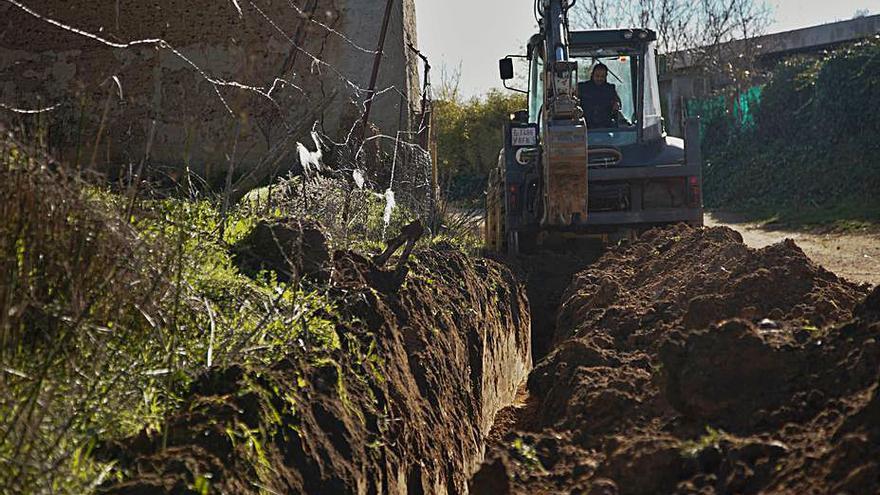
x=536, y=84
x=622, y=73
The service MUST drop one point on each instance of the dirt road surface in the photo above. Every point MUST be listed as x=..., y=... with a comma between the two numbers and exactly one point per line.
x=854, y=256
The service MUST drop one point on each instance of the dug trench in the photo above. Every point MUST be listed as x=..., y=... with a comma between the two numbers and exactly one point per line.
x=687, y=363
x=684, y=362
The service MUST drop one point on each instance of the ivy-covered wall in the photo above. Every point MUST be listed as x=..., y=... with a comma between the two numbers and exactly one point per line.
x=807, y=140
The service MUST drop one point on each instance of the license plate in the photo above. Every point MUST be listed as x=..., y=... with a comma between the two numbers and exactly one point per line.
x=523, y=136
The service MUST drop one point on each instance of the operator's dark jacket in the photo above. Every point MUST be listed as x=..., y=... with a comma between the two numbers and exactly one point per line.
x=597, y=100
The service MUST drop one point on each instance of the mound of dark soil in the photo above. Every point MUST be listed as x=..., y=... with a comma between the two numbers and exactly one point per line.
x=292, y=248
x=696, y=277
x=403, y=405
x=688, y=363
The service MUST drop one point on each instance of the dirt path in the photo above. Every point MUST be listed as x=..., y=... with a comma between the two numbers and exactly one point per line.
x=855, y=257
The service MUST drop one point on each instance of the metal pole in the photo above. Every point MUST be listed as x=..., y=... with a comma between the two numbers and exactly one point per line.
x=377, y=62
x=427, y=76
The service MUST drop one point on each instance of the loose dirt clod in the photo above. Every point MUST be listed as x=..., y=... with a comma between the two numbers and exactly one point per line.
x=290, y=247
x=686, y=362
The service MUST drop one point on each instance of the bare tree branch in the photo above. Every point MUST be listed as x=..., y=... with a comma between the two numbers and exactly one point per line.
x=713, y=36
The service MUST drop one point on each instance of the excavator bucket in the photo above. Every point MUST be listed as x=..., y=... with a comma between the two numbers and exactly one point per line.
x=565, y=181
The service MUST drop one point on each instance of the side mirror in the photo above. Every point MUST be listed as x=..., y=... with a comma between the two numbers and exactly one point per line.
x=505, y=66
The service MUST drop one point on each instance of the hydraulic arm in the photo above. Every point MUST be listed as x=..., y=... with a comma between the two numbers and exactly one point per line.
x=564, y=129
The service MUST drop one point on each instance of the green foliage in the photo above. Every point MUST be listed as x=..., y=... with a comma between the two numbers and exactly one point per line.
x=812, y=154
x=202, y=486
x=460, y=227
x=469, y=138
x=109, y=308
x=527, y=455
x=785, y=102
x=692, y=448
x=324, y=199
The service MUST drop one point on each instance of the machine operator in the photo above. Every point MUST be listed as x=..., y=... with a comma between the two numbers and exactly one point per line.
x=599, y=99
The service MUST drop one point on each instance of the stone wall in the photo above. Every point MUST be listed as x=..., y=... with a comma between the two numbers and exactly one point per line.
x=199, y=97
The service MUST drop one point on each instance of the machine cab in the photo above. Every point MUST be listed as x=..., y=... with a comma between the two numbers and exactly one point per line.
x=629, y=55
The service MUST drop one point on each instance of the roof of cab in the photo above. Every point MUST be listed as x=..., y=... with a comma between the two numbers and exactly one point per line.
x=611, y=37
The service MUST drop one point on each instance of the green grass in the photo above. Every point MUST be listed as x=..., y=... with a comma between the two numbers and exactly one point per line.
x=113, y=311
x=527, y=454
x=117, y=305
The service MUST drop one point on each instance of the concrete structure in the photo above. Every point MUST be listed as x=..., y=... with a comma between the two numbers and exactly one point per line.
x=200, y=96
x=683, y=80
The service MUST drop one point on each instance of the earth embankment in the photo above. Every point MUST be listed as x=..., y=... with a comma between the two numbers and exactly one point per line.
x=687, y=362
x=402, y=403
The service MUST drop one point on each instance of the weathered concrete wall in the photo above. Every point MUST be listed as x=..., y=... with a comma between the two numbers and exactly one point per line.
x=676, y=91
x=398, y=92
x=321, y=48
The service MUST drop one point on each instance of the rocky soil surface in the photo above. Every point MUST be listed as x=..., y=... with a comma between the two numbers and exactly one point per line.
x=687, y=362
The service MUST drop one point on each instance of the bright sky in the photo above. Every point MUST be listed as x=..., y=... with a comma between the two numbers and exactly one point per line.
x=476, y=33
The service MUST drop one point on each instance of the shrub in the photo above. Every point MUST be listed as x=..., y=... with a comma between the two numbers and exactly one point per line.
x=469, y=137
x=813, y=152
x=110, y=307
